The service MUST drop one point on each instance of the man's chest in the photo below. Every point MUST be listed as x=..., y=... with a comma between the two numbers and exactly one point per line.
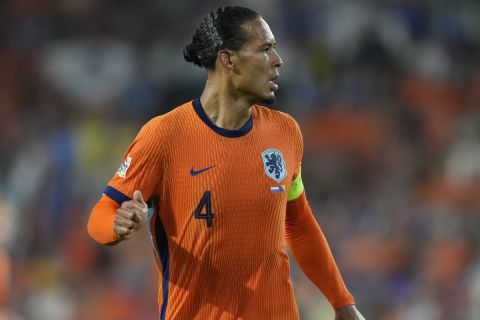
x=228, y=181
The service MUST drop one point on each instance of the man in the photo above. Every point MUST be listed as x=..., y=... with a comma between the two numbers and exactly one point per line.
x=224, y=174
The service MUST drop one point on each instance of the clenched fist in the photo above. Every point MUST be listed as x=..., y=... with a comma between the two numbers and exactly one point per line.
x=130, y=216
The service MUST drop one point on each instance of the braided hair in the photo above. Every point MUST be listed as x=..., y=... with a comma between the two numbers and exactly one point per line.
x=220, y=29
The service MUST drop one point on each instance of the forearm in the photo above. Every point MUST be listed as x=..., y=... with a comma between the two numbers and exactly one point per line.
x=312, y=252
x=100, y=223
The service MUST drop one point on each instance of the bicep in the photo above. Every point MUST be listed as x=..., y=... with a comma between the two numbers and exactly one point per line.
x=140, y=169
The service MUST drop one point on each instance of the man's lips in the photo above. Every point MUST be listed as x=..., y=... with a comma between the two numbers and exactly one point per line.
x=273, y=85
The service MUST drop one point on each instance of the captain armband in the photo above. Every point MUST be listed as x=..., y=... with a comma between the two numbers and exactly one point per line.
x=296, y=188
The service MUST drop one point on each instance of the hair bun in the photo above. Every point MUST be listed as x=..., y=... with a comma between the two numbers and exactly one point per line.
x=220, y=29
x=190, y=55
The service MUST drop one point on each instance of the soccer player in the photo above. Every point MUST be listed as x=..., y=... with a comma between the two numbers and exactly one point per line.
x=223, y=174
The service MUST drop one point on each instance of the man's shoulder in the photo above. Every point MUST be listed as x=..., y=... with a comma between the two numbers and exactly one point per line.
x=166, y=120
x=276, y=116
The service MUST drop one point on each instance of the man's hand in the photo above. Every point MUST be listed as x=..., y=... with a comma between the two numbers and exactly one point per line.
x=130, y=217
x=348, y=313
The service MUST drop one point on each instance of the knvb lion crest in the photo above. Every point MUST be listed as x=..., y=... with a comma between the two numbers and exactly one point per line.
x=274, y=164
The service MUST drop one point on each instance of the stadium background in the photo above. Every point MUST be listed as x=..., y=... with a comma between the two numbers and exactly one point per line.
x=387, y=94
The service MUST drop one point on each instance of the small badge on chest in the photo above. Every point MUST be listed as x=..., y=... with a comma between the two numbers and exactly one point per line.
x=275, y=168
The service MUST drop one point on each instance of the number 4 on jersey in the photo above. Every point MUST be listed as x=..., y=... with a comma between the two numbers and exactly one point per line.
x=207, y=203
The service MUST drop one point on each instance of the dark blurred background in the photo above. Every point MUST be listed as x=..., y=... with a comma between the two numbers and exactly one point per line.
x=387, y=94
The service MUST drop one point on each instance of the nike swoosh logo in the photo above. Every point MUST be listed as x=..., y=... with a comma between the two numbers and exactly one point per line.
x=194, y=173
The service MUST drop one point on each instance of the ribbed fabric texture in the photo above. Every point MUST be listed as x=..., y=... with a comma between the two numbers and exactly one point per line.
x=237, y=267
x=312, y=252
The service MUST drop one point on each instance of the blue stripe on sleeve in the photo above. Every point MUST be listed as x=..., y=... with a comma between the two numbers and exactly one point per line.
x=115, y=195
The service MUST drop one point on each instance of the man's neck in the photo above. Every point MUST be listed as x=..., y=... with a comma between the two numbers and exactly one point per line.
x=224, y=110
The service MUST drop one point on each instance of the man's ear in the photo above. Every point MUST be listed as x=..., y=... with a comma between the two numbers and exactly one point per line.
x=227, y=59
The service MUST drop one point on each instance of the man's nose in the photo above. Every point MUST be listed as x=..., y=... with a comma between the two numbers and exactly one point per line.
x=277, y=59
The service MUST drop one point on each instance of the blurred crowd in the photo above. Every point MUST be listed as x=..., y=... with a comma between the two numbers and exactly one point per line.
x=387, y=94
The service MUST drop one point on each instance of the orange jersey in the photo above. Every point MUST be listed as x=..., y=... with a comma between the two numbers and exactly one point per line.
x=218, y=228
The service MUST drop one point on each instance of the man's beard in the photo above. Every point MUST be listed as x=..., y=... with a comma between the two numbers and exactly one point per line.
x=268, y=101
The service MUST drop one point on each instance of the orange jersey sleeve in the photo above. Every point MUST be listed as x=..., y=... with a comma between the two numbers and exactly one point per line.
x=100, y=222
x=310, y=248
x=307, y=241
x=142, y=165
x=141, y=169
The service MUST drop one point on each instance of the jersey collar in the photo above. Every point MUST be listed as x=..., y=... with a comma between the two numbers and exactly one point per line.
x=197, y=105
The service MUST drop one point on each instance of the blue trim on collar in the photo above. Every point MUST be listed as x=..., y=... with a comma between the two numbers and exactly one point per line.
x=197, y=105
